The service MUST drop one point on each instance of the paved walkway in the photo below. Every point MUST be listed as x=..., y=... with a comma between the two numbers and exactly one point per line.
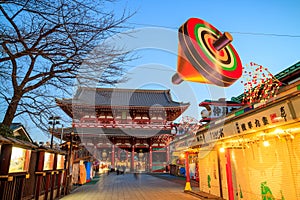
x=129, y=187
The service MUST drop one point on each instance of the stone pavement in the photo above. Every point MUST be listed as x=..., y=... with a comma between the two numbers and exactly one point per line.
x=195, y=186
x=129, y=187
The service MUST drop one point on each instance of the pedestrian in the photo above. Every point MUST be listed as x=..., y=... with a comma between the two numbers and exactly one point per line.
x=108, y=170
x=118, y=170
x=136, y=175
x=124, y=169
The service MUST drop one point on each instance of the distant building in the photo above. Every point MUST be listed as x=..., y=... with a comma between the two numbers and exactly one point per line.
x=20, y=132
x=215, y=109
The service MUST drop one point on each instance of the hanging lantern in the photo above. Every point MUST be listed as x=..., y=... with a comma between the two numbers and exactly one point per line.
x=104, y=154
x=141, y=154
x=123, y=156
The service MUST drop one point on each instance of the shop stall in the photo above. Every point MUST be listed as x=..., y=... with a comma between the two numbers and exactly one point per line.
x=14, y=167
x=49, y=173
x=57, y=178
x=253, y=153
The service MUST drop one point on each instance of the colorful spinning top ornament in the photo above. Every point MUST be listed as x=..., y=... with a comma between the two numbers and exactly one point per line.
x=205, y=55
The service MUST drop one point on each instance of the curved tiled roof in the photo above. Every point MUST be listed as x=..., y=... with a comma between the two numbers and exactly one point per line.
x=122, y=97
x=87, y=99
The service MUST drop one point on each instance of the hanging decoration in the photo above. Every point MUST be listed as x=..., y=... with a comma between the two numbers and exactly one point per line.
x=165, y=139
x=188, y=125
x=259, y=84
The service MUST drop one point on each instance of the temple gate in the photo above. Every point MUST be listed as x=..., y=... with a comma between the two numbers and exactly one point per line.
x=124, y=128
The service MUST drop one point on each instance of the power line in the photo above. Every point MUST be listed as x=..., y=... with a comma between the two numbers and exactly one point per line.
x=236, y=32
x=153, y=68
x=152, y=25
x=130, y=67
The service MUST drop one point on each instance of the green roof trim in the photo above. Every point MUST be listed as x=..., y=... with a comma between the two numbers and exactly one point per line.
x=288, y=71
x=239, y=112
x=298, y=87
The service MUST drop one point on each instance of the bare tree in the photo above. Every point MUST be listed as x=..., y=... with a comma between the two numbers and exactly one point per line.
x=43, y=46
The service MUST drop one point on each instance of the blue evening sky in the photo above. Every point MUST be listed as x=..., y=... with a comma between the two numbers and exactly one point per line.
x=264, y=32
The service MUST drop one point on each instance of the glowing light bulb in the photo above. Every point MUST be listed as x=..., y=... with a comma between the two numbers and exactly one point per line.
x=266, y=143
x=222, y=149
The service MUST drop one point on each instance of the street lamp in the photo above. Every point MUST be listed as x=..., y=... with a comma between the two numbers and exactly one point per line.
x=53, y=120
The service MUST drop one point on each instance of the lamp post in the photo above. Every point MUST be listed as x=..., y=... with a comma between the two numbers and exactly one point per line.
x=62, y=133
x=53, y=120
x=68, y=176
